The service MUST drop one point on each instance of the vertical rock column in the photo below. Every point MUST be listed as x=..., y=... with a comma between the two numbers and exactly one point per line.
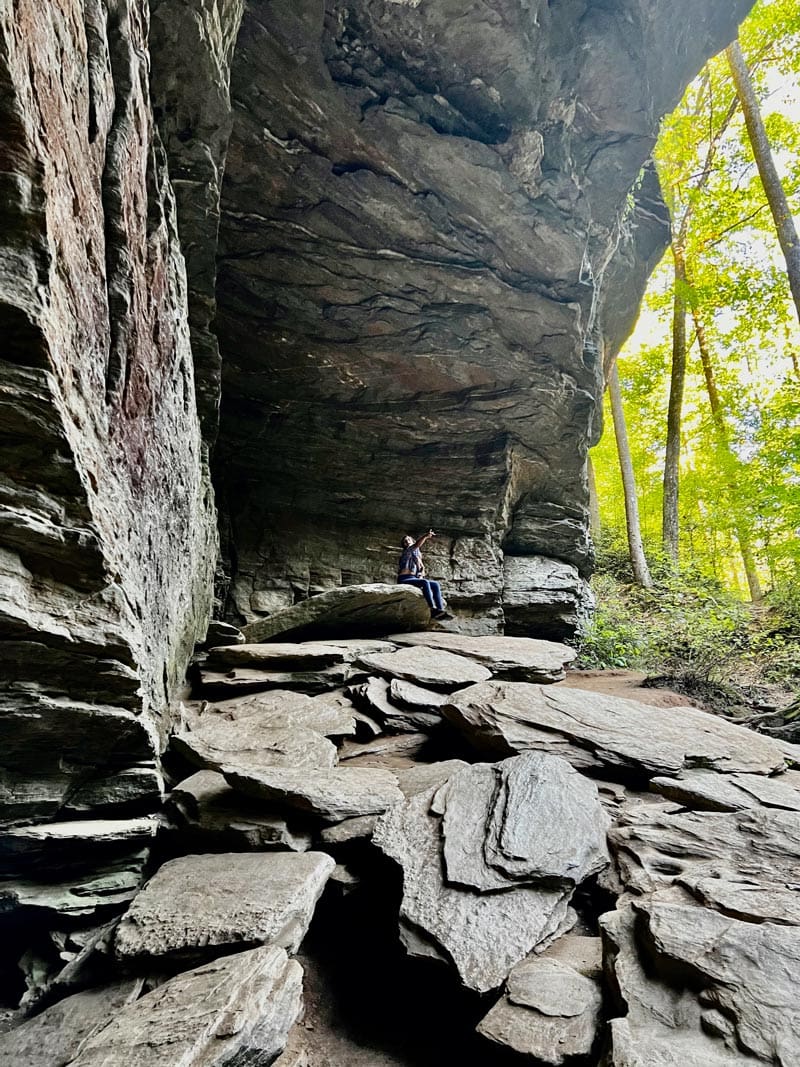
x=107, y=534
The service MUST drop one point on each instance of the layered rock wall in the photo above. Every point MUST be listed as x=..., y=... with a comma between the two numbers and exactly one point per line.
x=107, y=536
x=421, y=204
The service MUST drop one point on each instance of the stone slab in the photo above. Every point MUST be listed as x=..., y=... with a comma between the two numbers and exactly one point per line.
x=518, y=659
x=482, y=934
x=54, y=1037
x=550, y=1012
x=333, y=795
x=357, y=610
x=293, y=656
x=214, y=740
x=592, y=730
x=426, y=666
x=710, y=791
x=238, y=1009
x=198, y=906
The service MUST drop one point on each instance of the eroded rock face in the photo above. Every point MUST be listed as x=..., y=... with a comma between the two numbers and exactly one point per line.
x=420, y=205
x=107, y=533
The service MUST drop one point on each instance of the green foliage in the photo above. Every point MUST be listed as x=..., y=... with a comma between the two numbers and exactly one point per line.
x=688, y=628
x=740, y=472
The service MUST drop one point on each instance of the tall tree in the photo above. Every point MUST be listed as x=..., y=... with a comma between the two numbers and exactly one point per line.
x=728, y=459
x=641, y=571
x=773, y=188
x=683, y=194
x=669, y=512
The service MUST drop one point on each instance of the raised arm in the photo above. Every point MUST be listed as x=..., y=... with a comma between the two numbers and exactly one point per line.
x=420, y=541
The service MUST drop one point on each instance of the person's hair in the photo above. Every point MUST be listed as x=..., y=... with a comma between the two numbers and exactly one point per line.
x=404, y=538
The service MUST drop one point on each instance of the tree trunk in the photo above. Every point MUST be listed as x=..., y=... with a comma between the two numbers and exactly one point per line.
x=594, y=502
x=641, y=572
x=770, y=179
x=742, y=534
x=669, y=515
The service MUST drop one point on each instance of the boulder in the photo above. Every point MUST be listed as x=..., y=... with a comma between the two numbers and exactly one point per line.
x=736, y=1002
x=213, y=740
x=238, y=1009
x=333, y=795
x=656, y=845
x=551, y=1011
x=592, y=730
x=518, y=659
x=354, y=610
x=56, y=1036
x=395, y=751
x=658, y=1024
x=482, y=934
x=426, y=666
x=214, y=816
x=544, y=598
x=199, y=906
x=531, y=819
x=412, y=697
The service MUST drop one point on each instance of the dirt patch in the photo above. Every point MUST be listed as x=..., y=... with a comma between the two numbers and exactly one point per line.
x=628, y=684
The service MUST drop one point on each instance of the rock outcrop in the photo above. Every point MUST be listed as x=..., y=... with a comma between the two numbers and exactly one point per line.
x=374, y=254
x=425, y=237
x=497, y=874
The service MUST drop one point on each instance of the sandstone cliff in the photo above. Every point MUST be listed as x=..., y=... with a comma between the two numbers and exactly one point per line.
x=364, y=259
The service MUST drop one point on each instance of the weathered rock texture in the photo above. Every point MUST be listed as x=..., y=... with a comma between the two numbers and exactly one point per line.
x=420, y=206
x=107, y=539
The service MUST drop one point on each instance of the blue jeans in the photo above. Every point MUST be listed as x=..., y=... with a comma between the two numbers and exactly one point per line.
x=430, y=590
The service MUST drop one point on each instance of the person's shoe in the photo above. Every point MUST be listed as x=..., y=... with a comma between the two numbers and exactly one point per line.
x=439, y=615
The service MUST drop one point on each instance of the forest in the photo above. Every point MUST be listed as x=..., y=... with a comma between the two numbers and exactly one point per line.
x=696, y=481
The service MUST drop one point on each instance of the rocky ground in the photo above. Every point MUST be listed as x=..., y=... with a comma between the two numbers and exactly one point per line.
x=416, y=849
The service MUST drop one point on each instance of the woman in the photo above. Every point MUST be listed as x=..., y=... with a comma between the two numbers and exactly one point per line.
x=411, y=571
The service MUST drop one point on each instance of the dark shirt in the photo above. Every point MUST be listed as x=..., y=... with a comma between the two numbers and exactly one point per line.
x=410, y=560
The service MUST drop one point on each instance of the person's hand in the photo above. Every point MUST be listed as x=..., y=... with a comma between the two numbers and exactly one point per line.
x=431, y=533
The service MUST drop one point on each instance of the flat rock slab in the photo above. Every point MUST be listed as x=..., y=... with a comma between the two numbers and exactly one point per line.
x=201, y=905
x=550, y=1011
x=236, y=680
x=530, y=819
x=426, y=666
x=293, y=656
x=236, y=1009
x=518, y=659
x=205, y=807
x=334, y=795
x=214, y=740
x=710, y=791
x=483, y=934
x=592, y=730
x=67, y=845
x=107, y=885
x=329, y=714
x=405, y=694
x=56, y=1036
x=356, y=610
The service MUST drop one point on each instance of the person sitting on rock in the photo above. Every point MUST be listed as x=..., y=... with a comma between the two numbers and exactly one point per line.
x=411, y=571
